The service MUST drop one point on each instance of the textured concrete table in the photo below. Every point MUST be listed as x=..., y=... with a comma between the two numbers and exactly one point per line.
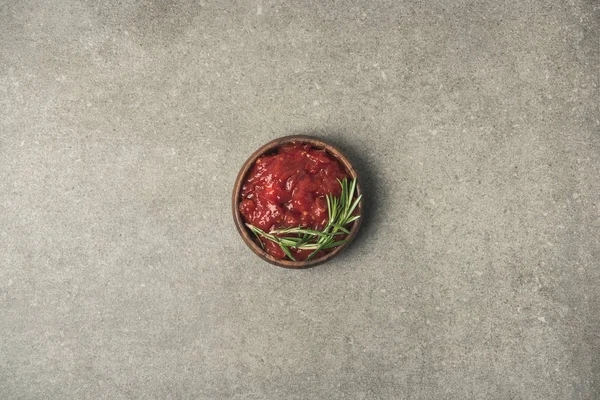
x=477, y=131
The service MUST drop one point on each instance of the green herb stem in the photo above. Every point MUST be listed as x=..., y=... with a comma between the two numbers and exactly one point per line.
x=340, y=212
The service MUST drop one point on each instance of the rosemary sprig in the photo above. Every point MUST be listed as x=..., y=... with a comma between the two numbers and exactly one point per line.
x=340, y=215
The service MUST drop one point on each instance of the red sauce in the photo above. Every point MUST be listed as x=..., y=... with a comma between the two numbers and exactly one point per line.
x=288, y=188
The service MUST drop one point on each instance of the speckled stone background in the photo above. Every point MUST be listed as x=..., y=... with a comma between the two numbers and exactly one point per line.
x=475, y=126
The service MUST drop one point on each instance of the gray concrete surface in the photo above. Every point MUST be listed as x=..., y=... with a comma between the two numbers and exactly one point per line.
x=476, y=128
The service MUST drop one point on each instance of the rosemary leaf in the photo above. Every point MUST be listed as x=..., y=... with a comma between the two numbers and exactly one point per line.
x=287, y=252
x=351, y=209
x=341, y=228
x=335, y=244
x=354, y=218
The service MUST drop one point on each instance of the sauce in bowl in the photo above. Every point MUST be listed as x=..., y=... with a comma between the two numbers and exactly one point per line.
x=287, y=188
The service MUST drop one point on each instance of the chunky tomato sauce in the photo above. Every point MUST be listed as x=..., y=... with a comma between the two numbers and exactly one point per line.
x=288, y=188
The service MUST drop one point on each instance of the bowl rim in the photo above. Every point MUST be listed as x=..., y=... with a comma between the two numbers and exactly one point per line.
x=245, y=233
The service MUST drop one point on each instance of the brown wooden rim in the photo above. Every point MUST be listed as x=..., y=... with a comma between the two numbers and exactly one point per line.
x=248, y=237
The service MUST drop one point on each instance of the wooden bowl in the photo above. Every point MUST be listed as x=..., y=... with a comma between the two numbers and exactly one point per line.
x=249, y=237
